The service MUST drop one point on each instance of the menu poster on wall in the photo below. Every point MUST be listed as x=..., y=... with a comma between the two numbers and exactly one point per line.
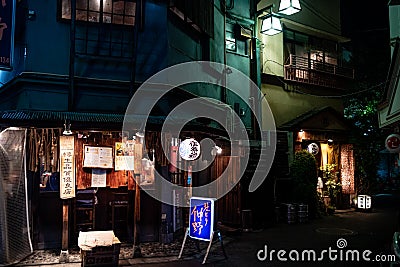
x=67, y=167
x=98, y=157
x=99, y=178
x=124, y=159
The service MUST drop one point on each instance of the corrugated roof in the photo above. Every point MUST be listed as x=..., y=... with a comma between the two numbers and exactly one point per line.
x=34, y=115
x=59, y=115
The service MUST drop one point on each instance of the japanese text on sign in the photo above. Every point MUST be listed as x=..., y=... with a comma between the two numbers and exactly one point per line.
x=201, y=220
x=189, y=149
x=67, y=171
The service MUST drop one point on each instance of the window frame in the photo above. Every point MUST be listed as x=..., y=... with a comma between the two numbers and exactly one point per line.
x=101, y=14
x=311, y=44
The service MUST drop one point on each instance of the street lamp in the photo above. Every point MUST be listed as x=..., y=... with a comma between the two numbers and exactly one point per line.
x=289, y=7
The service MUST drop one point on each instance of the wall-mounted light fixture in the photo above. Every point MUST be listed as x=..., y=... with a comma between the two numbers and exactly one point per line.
x=67, y=128
x=289, y=7
x=271, y=24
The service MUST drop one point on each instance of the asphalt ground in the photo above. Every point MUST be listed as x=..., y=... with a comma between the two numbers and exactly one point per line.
x=346, y=238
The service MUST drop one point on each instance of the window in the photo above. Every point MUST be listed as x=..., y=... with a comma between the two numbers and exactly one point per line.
x=232, y=44
x=199, y=14
x=101, y=11
x=311, y=47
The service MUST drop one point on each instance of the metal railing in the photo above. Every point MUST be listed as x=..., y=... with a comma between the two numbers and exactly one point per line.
x=315, y=72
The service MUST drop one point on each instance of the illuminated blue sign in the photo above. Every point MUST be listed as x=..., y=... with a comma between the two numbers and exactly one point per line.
x=201, y=220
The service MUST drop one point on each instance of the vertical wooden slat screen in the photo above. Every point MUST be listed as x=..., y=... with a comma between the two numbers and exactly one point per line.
x=229, y=206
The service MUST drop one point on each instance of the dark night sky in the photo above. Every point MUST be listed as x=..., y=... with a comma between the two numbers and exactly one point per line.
x=366, y=22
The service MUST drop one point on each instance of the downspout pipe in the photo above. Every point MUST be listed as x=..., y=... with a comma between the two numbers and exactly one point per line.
x=71, y=94
x=223, y=87
x=255, y=68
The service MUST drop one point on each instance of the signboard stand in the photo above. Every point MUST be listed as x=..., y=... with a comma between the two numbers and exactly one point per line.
x=217, y=233
x=201, y=224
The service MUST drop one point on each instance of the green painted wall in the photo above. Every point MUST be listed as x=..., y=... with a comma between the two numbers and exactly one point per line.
x=286, y=106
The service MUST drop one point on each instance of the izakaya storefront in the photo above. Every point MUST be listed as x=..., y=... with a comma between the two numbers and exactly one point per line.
x=86, y=171
x=325, y=133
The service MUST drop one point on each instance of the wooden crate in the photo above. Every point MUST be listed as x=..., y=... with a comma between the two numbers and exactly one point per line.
x=97, y=251
x=101, y=256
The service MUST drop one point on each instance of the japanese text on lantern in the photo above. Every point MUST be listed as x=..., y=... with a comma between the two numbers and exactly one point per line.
x=201, y=218
x=67, y=167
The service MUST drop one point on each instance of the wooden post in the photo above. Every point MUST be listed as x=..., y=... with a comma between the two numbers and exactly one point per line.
x=138, y=153
x=64, y=255
x=136, y=221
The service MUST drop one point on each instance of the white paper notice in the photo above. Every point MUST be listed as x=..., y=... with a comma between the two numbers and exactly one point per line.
x=99, y=178
x=124, y=163
x=98, y=157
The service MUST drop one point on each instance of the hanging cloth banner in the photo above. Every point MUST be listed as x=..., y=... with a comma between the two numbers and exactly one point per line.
x=67, y=170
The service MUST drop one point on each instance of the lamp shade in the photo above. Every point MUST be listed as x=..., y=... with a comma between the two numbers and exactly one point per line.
x=289, y=7
x=271, y=25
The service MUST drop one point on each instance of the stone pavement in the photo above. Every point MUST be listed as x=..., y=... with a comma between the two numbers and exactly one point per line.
x=154, y=252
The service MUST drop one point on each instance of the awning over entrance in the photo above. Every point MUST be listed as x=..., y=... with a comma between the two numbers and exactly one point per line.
x=319, y=119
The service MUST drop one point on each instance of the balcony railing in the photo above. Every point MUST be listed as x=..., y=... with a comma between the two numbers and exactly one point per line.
x=315, y=72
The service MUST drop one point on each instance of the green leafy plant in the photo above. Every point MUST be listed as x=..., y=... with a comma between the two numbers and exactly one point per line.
x=304, y=173
x=333, y=185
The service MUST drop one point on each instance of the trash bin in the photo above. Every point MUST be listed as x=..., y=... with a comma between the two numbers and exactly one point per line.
x=289, y=213
x=247, y=220
x=99, y=248
x=302, y=213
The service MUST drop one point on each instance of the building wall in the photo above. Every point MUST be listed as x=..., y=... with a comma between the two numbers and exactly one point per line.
x=160, y=43
x=288, y=105
x=272, y=54
x=47, y=43
x=394, y=21
x=285, y=101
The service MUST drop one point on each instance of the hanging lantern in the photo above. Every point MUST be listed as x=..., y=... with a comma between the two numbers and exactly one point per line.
x=289, y=7
x=392, y=143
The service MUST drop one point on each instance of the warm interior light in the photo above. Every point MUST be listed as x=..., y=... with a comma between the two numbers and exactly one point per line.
x=271, y=25
x=289, y=7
